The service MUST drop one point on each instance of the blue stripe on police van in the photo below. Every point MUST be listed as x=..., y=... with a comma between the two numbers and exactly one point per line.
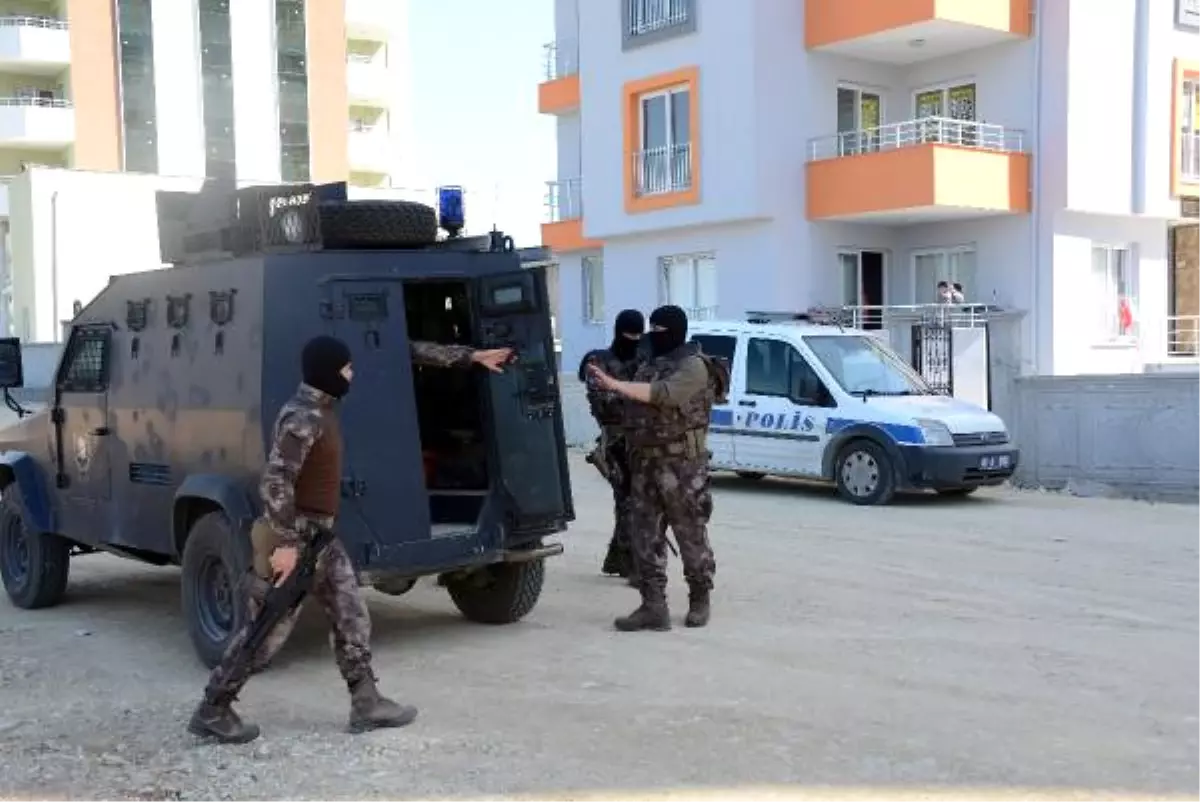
x=899, y=432
x=721, y=417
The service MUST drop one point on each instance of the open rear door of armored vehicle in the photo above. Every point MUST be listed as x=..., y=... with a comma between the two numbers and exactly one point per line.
x=525, y=404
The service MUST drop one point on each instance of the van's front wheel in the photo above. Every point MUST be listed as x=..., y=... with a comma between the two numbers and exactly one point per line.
x=503, y=593
x=865, y=474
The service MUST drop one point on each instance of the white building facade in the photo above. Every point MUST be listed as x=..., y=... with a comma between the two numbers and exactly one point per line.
x=783, y=154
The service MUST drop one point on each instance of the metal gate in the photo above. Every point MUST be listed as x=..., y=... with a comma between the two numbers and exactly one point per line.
x=932, y=346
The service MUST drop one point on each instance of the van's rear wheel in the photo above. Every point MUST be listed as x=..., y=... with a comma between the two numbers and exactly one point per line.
x=499, y=594
x=865, y=474
x=213, y=605
x=34, y=565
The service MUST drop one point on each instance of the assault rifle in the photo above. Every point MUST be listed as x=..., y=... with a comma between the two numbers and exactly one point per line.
x=280, y=600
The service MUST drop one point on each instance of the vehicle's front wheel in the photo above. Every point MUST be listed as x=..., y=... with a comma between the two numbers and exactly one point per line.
x=213, y=606
x=865, y=474
x=33, y=565
x=499, y=594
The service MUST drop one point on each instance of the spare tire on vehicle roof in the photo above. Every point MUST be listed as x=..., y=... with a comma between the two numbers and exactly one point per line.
x=377, y=224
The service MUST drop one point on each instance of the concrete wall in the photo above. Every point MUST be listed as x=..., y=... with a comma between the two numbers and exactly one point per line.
x=1130, y=434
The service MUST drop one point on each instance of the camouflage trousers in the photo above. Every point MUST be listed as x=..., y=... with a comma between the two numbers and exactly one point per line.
x=335, y=588
x=619, y=479
x=670, y=490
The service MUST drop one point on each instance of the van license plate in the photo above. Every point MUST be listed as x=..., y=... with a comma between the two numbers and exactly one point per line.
x=995, y=462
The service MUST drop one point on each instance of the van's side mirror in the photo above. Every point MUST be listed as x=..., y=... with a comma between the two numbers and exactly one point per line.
x=12, y=372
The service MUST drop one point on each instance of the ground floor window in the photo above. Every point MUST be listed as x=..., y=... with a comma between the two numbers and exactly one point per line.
x=689, y=281
x=951, y=265
x=1113, y=299
x=593, y=289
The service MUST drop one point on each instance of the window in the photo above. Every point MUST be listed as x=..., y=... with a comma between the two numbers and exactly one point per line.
x=721, y=346
x=1113, y=299
x=136, y=72
x=865, y=365
x=645, y=21
x=776, y=368
x=292, y=73
x=947, y=104
x=216, y=67
x=85, y=369
x=689, y=282
x=593, y=289
x=859, y=115
x=664, y=162
x=953, y=265
x=1189, y=129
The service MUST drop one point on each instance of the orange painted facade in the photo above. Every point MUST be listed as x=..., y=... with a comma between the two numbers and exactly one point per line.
x=566, y=236
x=631, y=99
x=827, y=22
x=918, y=178
x=559, y=96
x=327, y=90
x=94, y=85
x=1188, y=69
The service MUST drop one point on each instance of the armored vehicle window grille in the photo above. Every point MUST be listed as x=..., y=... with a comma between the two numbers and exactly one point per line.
x=86, y=368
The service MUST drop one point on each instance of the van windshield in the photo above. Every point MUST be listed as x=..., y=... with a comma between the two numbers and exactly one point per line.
x=865, y=366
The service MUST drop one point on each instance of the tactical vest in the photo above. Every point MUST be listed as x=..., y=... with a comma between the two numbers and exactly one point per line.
x=608, y=408
x=649, y=425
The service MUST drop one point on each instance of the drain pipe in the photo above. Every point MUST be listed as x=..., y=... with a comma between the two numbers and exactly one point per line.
x=54, y=265
x=1036, y=185
x=1141, y=46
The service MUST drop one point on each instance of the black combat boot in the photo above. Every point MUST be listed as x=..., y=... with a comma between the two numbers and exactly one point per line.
x=651, y=614
x=699, y=606
x=370, y=710
x=217, y=719
x=617, y=561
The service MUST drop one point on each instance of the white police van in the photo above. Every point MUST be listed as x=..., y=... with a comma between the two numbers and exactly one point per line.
x=819, y=401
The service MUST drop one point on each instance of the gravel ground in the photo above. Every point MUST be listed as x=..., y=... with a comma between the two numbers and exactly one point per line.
x=1010, y=644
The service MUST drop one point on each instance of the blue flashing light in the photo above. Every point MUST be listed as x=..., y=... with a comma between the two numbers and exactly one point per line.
x=450, y=209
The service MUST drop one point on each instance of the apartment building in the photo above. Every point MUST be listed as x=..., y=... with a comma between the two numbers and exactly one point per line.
x=783, y=154
x=259, y=91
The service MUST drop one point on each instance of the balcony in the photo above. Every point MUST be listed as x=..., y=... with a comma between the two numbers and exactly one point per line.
x=366, y=21
x=918, y=171
x=1189, y=157
x=34, y=45
x=1183, y=337
x=909, y=31
x=367, y=83
x=369, y=152
x=563, y=231
x=559, y=92
x=36, y=123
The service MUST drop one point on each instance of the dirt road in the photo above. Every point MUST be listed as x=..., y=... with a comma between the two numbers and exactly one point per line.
x=1009, y=642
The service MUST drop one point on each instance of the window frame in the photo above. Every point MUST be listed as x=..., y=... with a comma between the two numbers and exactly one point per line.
x=643, y=190
x=732, y=357
x=693, y=308
x=75, y=342
x=1104, y=334
x=849, y=141
x=591, y=275
x=947, y=251
x=667, y=93
x=824, y=399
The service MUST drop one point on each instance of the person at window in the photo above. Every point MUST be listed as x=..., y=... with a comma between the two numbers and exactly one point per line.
x=668, y=403
x=301, y=484
x=956, y=293
x=945, y=295
x=610, y=456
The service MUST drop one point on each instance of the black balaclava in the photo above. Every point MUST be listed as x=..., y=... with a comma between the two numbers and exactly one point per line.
x=630, y=321
x=321, y=364
x=675, y=324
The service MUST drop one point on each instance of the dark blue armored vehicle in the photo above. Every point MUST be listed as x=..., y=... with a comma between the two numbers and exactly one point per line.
x=154, y=434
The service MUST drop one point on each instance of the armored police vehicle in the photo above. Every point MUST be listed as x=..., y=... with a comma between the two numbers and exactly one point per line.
x=157, y=426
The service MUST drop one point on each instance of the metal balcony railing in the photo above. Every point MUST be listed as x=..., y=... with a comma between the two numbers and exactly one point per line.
x=33, y=22
x=923, y=131
x=1189, y=155
x=876, y=317
x=659, y=171
x=561, y=59
x=43, y=102
x=564, y=200
x=648, y=16
x=1183, y=336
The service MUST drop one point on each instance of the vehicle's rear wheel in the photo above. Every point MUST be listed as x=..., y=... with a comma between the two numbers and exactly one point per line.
x=499, y=594
x=751, y=475
x=34, y=565
x=213, y=605
x=956, y=492
x=865, y=474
